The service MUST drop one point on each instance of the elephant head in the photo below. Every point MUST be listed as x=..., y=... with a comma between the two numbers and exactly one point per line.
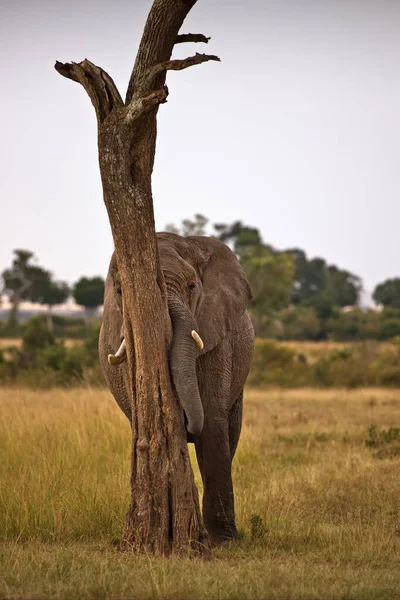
x=207, y=292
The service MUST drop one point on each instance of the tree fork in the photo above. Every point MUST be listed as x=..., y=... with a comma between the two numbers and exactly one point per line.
x=164, y=515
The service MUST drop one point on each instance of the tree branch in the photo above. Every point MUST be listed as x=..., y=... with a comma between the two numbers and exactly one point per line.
x=171, y=65
x=159, y=36
x=191, y=37
x=138, y=106
x=99, y=86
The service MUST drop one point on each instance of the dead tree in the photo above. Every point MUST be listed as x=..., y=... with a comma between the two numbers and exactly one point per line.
x=164, y=514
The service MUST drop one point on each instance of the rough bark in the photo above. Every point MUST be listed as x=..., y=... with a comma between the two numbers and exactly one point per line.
x=164, y=514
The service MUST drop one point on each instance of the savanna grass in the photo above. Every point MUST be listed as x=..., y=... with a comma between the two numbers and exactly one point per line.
x=318, y=509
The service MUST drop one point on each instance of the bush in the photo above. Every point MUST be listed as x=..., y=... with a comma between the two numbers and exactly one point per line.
x=306, y=323
x=354, y=325
x=386, y=366
x=390, y=327
x=11, y=330
x=277, y=365
x=301, y=323
x=37, y=336
x=348, y=367
x=362, y=364
x=44, y=362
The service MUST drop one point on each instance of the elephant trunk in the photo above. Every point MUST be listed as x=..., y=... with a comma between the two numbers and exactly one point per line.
x=185, y=346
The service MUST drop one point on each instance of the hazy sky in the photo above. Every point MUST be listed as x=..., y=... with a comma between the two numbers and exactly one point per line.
x=296, y=131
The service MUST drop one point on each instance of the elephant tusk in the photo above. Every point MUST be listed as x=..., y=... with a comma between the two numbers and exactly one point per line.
x=198, y=340
x=119, y=356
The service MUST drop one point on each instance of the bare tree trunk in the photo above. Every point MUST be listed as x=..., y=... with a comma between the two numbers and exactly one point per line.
x=13, y=316
x=88, y=315
x=49, y=319
x=164, y=514
x=12, y=321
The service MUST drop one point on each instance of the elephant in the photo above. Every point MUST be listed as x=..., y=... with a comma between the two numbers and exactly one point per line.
x=209, y=358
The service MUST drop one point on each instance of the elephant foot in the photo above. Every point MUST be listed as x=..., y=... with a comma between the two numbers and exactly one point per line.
x=223, y=538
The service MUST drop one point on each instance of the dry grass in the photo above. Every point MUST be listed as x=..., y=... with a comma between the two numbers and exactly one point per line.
x=10, y=343
x=319, y=513
x=314, y=351
x=17, y=343
x=306, y=347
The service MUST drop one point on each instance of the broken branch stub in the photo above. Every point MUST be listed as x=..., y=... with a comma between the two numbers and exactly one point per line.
x=140, y=105
x=151, y=75
x=98, y=84
x=182, y=38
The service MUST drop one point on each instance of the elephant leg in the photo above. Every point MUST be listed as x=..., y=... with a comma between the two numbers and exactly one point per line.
x=213, y=445
x=214, y=458
x=235, y=423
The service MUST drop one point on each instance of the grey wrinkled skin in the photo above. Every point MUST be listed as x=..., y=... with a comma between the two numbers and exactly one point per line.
x=207, y=291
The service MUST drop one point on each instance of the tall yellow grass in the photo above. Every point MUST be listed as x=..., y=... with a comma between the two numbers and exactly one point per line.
x=318, y=512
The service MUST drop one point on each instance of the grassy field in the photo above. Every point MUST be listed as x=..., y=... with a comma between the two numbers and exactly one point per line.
x=17, y=343
x=313, y=351
x=317, y=501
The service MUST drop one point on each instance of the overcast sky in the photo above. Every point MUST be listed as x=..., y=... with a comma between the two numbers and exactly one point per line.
x=296, y=131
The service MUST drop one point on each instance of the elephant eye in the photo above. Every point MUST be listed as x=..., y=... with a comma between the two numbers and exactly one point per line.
x=192, y=285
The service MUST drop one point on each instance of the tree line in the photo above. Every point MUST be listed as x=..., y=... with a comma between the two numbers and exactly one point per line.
x=297, y=297
x=294, y=296
x=25, y=280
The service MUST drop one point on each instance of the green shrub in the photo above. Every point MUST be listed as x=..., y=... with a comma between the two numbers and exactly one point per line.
x=300, y=323
x=37, y=336
x=386, y=366
x=258, y=529
x=354, y=325
x=384, y=436
x=390, y=327
x=346, y=368
x=276, y=365
x=44, y=362
x=363, y=364
x=11, y=330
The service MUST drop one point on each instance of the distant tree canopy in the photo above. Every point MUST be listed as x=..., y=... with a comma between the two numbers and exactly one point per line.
x=270, y=274
x=188, y=227
x=280, y=278
x=238, y=235
x=56, y=292
x=387, y=293
x=89, y=292
x=321, y=285
x=24, y=280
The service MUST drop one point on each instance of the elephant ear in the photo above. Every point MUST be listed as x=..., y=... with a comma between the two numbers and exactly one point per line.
x=226, y=291
x=113, y=283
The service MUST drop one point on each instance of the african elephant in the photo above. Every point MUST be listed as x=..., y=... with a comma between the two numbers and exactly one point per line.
x=210, y=357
